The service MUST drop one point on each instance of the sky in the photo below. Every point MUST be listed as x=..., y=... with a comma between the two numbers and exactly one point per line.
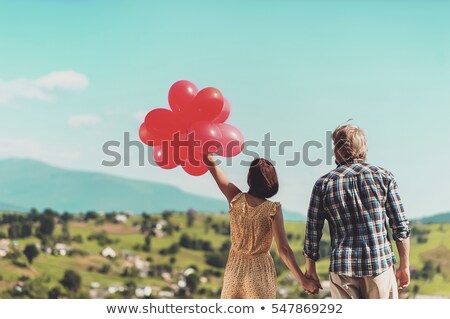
x=76, y=74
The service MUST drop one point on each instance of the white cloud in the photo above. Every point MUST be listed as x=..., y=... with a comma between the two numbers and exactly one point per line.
x=67, y=80
x=17, y=147
x=42, y=88
x=140, y=116
x=83, y=120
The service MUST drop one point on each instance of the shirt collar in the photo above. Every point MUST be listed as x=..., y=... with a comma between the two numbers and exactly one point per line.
x=350, y=162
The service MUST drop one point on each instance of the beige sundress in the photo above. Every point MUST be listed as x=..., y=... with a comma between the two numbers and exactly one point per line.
x=250, y=271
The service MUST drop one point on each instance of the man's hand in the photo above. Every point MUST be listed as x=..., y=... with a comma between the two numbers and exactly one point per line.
x=311, y=274
x=403, y=277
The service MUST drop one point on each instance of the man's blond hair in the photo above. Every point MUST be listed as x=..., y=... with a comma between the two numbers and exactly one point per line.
x=350, y=142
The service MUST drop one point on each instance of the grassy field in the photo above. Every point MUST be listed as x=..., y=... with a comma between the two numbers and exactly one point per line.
x=435, y=248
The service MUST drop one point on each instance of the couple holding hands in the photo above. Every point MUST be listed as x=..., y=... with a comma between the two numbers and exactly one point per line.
x=357, y=199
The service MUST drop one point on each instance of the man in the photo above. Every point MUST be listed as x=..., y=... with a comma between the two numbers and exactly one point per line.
x=357, y=199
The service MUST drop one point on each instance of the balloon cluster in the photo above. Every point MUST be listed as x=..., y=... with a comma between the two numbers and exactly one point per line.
x=194, y=126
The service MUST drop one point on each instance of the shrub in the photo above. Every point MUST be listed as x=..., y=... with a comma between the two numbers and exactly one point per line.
x=104, y=269
x=77, y=252
x=71, y=280
x=216, y=260
x=31, y=252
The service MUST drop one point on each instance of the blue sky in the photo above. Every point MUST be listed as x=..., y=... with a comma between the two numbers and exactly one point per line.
x=295, y=69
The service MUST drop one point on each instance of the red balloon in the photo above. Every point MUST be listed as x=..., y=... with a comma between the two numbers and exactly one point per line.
x=145, y=135
x=161, y=124
x=206, y=106
x=195, y=170
x=188, y=149
x=164, y=156
x=224, y=114
x=182, y=146
x=181, y=94
x=207, y=136
x=232, y=140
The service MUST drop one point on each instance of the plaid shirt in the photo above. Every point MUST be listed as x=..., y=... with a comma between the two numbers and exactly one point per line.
x=355, y=199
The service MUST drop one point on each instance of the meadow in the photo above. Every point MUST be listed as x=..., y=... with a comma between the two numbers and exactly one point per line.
x=165, y=263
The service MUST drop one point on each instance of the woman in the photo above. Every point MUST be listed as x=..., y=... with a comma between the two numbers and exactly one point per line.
x=254, y=222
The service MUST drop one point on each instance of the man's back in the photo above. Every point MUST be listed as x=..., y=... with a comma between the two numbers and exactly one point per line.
x=355, y=199
x=358, y=199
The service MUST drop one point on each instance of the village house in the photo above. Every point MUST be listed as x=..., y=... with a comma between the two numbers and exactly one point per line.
x=143, y=291
x=4, y=247
x=121, y=219
x=132, y=261
x=114, y=288
x=108, y=252
x=61, y=249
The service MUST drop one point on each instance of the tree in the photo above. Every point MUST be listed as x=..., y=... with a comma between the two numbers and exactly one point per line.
x=130, y=272
x=147, y=223
x=20, y=229
x=225, y=248
x=172, y=249
x=131, y=288
x=33, y=215
x=422, y=239
x=428, y=270
x=147, y=243
x=91, y=215
x=185, y=241
x=166, y=215
x=208, y=222
x=65, y=231
x=218, y=260
x=55, y=293
x=31, y=252
x=192, y=282
x=169, y=228
x=190, y=218
x=71, y=280
x=66, y=217
x=27, y=229
x=15, y=230
x=105, y=269
x=416, y=290
x=206, y=245
x=47, y=223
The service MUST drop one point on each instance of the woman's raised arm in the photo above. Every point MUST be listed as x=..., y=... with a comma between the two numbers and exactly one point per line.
x=226, y=187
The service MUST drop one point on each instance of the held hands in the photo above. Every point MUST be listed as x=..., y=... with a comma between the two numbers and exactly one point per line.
x=310, y=286
x=403, y=277
x=312, y=277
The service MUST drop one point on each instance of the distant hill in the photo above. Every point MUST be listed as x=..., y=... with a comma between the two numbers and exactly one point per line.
x=29, y=183
x=294, y=217
x=12, y=208
x=443, y=218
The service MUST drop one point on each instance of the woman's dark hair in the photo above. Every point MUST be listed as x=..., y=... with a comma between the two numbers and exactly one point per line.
x=262, y=179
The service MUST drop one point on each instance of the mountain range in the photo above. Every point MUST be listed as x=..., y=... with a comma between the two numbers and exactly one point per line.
x=442, y=218
x=26, y=183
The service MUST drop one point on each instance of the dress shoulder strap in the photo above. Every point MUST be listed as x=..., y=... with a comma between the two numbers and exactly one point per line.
x=273, y=209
